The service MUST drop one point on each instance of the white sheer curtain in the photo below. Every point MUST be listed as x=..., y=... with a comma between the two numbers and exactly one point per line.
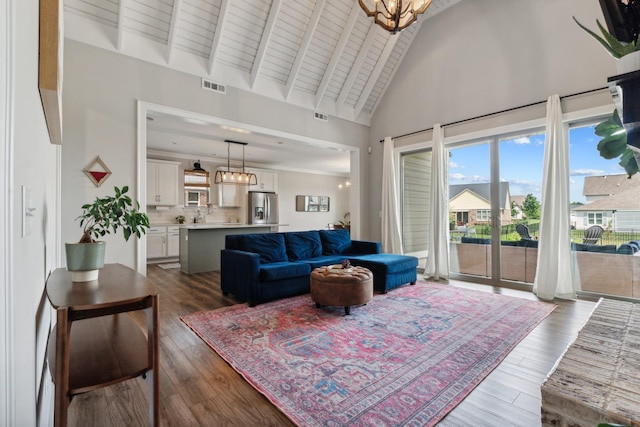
x=438, y=258
x=391, y=235
x=554, y=276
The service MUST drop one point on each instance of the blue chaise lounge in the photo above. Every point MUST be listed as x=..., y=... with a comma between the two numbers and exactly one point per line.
x=262, y=267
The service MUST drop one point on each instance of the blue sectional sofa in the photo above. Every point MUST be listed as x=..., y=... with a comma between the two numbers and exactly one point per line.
x=262, y=267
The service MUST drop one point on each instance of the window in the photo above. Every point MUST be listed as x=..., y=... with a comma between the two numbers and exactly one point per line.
x=594, y=218
x=484, y=215
x=416, y=199
x=196, y=188
x=462, y=218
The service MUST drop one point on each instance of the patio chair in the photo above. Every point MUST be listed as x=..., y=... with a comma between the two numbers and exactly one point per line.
x=523, y=231
x=592, y=235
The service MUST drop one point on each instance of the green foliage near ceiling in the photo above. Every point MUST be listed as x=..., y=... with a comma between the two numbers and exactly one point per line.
x=615, y=48
x=614, y=143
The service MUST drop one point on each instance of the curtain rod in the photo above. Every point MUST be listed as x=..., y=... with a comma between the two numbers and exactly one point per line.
x=498, y=112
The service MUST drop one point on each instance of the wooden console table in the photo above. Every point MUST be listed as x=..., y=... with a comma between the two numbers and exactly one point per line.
x=95, y=343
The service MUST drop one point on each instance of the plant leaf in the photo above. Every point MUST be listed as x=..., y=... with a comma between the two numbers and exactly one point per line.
x=603, y=42
x=612, y=146
x=615, y=45
x=629, y=163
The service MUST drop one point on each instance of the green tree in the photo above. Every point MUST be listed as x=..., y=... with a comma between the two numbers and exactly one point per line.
x=531, y=207
x=514, y=212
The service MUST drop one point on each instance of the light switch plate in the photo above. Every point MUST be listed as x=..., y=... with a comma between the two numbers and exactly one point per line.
x=27, y=211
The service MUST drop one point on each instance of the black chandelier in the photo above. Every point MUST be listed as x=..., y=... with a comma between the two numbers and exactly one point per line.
x=394, y=15
x=232, y=177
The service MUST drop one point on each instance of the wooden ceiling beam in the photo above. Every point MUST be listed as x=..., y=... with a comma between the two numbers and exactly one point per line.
x=304, y=47
x=337, y=54
x=264, y=40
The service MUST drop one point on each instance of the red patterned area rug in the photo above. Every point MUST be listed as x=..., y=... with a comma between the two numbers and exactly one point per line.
x=406, y=358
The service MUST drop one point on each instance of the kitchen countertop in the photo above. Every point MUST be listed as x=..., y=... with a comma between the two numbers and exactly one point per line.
x=228, y=225
x=207, y=225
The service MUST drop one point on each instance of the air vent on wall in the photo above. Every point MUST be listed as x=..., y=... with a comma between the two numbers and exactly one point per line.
x=216, y=87
x=321, y=116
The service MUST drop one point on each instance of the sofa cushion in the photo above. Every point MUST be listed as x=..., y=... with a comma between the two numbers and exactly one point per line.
x=283, y=270
x=324, y=260
x=270, y=246
x=625, y=249
x=303, y=245
x=475, y=240
x=386, y=263
x=335, y=241
x=608, y=249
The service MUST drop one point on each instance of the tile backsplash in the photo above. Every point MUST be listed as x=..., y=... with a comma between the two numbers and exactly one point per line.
x=167, y=215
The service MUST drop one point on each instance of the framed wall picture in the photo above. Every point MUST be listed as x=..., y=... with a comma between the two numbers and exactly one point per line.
x=312, y=203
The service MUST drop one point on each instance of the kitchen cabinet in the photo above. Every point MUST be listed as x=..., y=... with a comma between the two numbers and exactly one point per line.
x=231, y=195
x=156, y=242
x=162, y=182
x=163, y=242
x=173, y=241
x=266, y=181
x=201, y=244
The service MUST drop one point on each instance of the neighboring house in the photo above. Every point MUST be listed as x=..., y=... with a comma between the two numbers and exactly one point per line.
x=517, y=203
x=573, y=216
x=471, y=203
x=613, y=201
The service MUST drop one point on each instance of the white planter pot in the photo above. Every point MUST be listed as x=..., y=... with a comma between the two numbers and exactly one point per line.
x=629, y=63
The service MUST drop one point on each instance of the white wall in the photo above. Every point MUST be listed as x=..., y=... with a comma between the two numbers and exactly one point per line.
x=33, y=164
x=480, y=57
x=292, y=184
x=101, y=89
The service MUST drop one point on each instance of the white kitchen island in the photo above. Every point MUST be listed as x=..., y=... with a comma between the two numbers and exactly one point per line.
x=200, y=244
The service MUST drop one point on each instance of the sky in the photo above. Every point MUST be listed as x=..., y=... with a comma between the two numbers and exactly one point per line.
x=521, y=163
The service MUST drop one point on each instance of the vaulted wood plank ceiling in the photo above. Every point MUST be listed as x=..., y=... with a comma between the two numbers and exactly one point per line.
x=323, y=55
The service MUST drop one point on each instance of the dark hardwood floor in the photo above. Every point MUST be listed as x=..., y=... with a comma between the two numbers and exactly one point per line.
x=198, y=388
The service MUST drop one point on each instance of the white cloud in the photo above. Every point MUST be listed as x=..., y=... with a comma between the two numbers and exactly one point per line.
x=523, y=140
x=586, y=172
x=454, y=165
x=457, y=176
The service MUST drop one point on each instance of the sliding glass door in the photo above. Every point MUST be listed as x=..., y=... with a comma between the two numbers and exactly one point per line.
x=470, y=218
x=416, y=197
x=494, y=200
x=605, y=219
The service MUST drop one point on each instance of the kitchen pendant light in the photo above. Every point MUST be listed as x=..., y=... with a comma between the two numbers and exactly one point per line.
x=231, y=177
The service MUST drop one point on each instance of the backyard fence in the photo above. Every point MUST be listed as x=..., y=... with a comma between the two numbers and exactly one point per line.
x=508, y=232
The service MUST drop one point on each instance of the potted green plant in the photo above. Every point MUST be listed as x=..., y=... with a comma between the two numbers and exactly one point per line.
x=346, y=224
x=627, y=54
x=104, y=216
x=181, y=219
x=614, y=143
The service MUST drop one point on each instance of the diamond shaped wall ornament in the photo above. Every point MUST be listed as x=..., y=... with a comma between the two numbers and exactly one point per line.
x=97, y=171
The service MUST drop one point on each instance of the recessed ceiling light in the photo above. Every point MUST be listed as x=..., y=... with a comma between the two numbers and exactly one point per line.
x=235, y=129
x=173, y=143
x=195, y=121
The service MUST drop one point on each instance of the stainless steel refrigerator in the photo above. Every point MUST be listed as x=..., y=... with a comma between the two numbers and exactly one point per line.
x=263, y=208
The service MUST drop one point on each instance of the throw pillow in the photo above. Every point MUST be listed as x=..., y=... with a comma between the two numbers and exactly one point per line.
x=303, y=245
x=335, y=242
x=270, y=246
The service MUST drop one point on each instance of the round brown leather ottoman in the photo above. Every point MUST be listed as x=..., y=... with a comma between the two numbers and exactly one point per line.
x=334, y=286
